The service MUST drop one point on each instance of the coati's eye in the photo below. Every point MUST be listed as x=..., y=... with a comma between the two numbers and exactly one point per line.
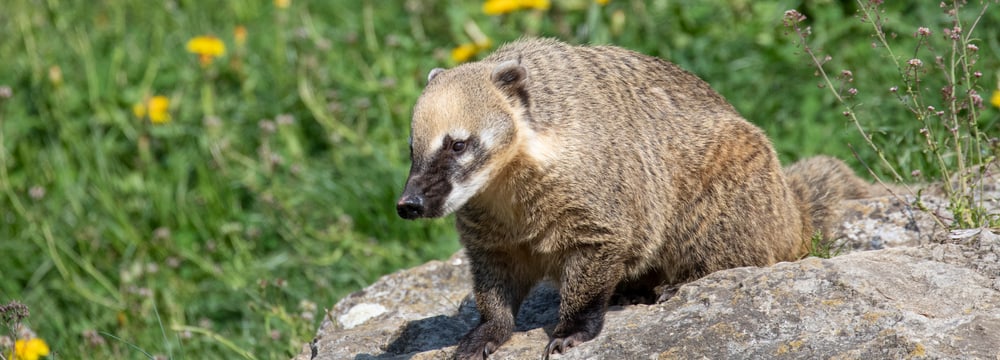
x=458, y=146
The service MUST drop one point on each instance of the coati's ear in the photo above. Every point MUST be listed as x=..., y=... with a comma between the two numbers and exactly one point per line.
x=434, y=72
x=510, y=75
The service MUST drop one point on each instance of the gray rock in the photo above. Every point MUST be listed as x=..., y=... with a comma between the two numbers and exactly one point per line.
x=892, y=221
x=926, y=294
x=931, y=301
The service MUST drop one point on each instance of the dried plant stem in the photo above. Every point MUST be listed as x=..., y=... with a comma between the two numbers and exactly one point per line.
x=850, y=111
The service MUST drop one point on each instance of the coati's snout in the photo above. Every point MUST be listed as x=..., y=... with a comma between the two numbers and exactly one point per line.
x=424, y=195
x=411, y=207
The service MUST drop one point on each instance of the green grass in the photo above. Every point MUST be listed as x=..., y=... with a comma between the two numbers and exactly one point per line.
x=210, y=236
x=823, y=248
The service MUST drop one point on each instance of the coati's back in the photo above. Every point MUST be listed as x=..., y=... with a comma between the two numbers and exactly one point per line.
x=608, y=91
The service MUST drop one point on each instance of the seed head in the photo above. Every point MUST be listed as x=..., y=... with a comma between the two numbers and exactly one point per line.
x=793, y=17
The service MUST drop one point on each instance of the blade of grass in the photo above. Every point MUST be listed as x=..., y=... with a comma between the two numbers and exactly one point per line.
x=215, y=337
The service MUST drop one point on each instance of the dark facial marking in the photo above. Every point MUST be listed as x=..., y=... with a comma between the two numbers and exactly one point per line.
x=432, y=177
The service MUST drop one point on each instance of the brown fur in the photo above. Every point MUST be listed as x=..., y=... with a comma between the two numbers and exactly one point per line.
x=608, y=170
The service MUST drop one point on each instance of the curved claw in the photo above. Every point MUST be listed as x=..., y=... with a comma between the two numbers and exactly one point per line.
x=560, y=345
x=666, y=293
x=487, y=349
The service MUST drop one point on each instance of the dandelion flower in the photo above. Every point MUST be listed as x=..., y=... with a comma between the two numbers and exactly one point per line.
x=157, y=108
x=207, y=48
x=30, y=349
x=464, y=52
x=536, y=4
x=995, y=99
x=282, y=4
x=500, y=7
x=601, y=2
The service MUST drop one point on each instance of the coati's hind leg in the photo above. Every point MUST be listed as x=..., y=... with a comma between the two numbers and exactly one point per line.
x=633, y=296
x=666, y=291
x=649, y=292
x=638, y=291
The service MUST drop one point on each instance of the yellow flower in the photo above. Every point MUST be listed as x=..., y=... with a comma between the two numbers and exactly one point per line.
x=156, y=107
x=240, y=35
x=207, y=48
x=500, y=7
x=282, y=4
x=602, y=2
x=995, y=99
x=536, y=4
x=30, y=349
x=464, y=52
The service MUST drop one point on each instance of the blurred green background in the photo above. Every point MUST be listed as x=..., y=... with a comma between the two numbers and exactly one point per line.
x=265, y=189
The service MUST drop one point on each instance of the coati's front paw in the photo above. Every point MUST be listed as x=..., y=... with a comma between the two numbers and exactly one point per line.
x=481, y=342
x=474, y=351
x=560, y=345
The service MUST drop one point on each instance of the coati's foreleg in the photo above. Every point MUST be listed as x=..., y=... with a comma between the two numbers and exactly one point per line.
x=590, y=276
x=499, y=285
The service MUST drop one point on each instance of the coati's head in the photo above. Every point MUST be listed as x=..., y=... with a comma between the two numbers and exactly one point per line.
x=464, y=131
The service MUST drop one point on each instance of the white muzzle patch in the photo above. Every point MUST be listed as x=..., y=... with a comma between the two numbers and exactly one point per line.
x=461, y=193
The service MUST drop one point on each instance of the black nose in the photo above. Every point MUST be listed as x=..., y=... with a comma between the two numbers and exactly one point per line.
x=410, y=207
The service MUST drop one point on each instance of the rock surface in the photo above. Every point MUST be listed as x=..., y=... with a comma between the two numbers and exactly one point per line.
x=923, y=295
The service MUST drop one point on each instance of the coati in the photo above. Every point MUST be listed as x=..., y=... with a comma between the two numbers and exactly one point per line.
x=605, y=170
